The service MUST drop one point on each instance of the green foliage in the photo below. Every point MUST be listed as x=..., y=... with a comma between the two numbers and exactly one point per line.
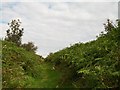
x=21, y=67
x=29, y=46
x=94, y=64
x=24, y=69
x=18, y=66
x=97, y=63
x=14, y=33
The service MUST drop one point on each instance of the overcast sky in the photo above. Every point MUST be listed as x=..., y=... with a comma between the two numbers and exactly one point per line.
x=55, y=25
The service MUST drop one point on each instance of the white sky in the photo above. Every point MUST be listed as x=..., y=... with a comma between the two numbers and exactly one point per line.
x=55, y=25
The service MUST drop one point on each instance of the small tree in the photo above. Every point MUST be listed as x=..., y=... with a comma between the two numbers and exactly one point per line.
x=14, y=33
x=108, y=26
x=29, y=46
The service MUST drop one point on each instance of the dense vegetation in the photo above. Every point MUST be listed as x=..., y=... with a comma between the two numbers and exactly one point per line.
x=95, y=64
x=18, y=65
x=21, y=66
x=25, y=69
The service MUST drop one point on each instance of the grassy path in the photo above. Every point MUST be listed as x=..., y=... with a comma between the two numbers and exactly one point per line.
x=48, y=77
